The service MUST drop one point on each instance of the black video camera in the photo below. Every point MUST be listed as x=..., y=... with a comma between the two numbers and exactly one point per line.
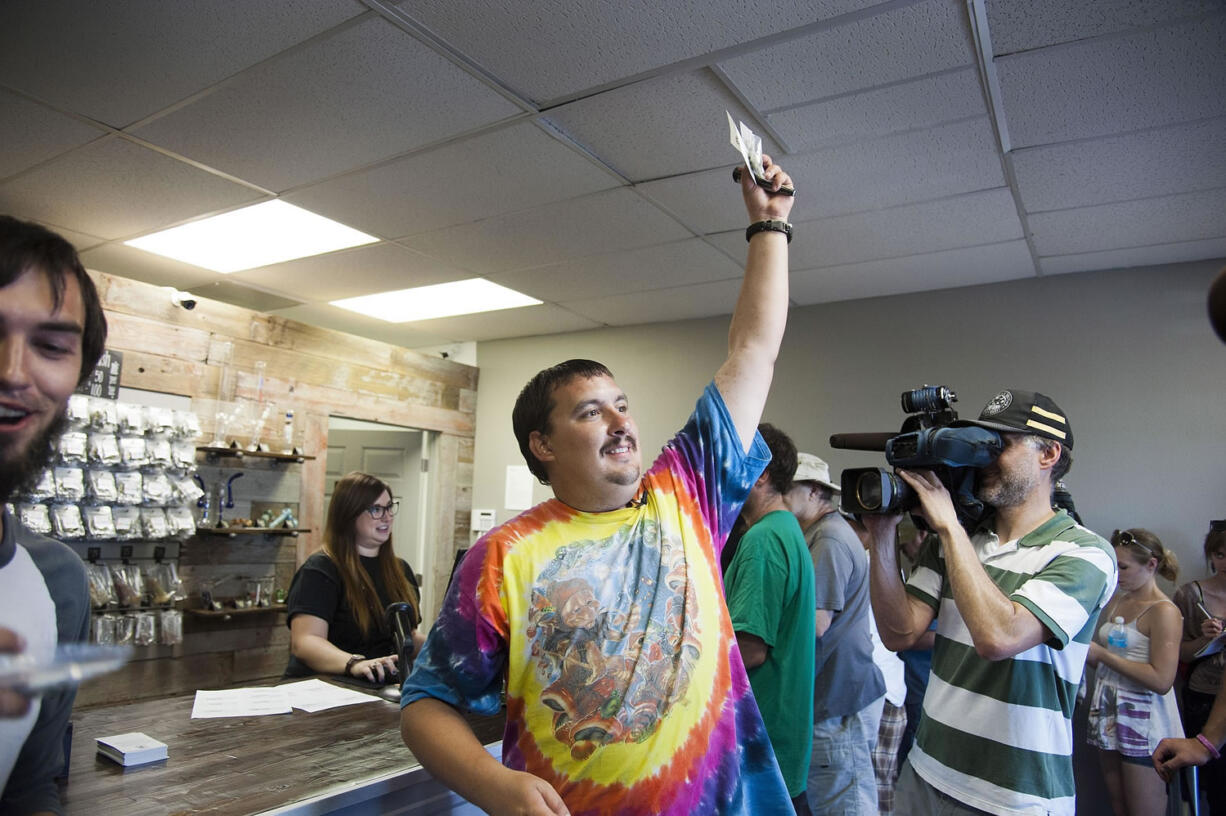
x=926, y=442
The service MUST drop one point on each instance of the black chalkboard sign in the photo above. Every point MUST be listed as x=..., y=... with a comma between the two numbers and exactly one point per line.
x=104, y=379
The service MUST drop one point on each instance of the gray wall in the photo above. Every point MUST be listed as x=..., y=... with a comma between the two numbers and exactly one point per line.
x=1128, y=354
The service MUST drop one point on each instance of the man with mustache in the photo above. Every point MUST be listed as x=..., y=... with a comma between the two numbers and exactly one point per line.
x=673, y=727
x=52, y=331
x=1018, y=601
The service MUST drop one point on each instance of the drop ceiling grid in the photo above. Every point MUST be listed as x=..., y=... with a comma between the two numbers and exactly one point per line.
x=549, y=49
x=900, y=44
x=32, y=133
x=330, y=317
x=900, y=176
x=507, y=169
x=589, y=225
x=1157, y=255
x=984, y=217
x=154, y=53
x=547, y=318
x=662, y=266
x=1128, y=224
x=126, y=262
x=367, y=92
x=114, y=188
x=1026, y=24
x=923, y=103
x=633, y=308
x=937, y=270
x=882, y=236
x=1116, y=84
x=364, y=270
x=658, y=127
x=1162, y=161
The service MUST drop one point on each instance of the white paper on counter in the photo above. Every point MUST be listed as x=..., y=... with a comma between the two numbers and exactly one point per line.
x=316, y=695
x=242, y=702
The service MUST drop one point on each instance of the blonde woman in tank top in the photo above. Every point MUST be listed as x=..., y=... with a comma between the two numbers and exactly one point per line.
x=1133, y=706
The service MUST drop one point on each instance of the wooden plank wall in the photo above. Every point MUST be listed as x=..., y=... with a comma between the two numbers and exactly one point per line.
x=318, y=373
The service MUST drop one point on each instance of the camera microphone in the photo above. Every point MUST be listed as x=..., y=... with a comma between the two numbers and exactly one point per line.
x=874, y=441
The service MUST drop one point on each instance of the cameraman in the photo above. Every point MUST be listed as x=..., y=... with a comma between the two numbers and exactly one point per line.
x=1018, y=602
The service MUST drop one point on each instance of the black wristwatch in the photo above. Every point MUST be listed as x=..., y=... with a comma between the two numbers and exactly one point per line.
x=353, y=659
x=769, y=226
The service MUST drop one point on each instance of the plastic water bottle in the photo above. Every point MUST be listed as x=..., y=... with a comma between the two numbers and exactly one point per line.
x=1117, y=636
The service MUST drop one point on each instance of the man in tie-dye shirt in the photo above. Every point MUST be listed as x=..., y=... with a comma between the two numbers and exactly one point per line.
x=602, y=609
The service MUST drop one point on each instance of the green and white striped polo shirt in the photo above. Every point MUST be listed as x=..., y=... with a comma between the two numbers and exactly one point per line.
x=997, y=735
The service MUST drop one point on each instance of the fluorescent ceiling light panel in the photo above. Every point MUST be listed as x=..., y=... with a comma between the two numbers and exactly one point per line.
x=441, y=300
x=259, y=235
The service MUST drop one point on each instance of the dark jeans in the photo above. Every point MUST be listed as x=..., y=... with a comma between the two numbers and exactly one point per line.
x=801, y=804
x=1212, y=775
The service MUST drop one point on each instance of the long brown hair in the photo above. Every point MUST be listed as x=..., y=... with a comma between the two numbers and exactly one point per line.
x=353, y=493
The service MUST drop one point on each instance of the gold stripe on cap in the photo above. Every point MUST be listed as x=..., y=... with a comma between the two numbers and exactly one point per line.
x=1048, y=414
x=1039, y=426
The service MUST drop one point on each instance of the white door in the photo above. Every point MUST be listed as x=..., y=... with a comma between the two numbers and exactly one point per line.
x=396, y=457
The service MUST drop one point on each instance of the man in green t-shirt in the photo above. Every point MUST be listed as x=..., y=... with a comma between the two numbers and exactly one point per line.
x=769, y=587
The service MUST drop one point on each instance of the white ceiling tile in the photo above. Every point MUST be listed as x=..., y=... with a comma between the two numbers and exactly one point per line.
x=938, y=270
x=708, y=201
x=79, y=240
x=1175, y=159
x=361, y=271
x=525, y=322
x=1177, y=218
x=1019, y=25
x=121, y=60
x=922, y=165
x=908, y=167
x=1139, y=256
x=330, y=317
x=633, y=308
x=1116, y=84
x=923, y=103
x=546, y=49
x=31, y=133
x=508, y=169
x=128, y=262
x=899, y=44
x=115, y=189
x=660, y=127
x=655, y=267
x=603, y=222
x=367, y=92
x=987, y=217
x=733, y=244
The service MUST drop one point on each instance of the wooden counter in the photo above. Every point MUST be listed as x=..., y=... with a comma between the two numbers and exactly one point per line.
x=284, y=763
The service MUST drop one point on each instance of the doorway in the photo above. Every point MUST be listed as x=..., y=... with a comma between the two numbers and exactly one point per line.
x=401, y=458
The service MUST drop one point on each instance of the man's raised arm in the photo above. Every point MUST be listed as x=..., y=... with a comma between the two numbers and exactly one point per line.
x=761, y=309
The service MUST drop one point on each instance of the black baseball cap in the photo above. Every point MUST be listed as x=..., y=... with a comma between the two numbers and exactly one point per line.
x=1028, y=412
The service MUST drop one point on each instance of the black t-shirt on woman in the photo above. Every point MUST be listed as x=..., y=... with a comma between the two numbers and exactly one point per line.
x=317, y=589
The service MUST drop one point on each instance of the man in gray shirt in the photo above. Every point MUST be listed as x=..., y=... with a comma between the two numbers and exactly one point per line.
x=849, y=691
x=52, y=331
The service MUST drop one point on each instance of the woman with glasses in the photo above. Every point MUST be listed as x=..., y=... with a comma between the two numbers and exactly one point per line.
x=338, y=596
x=1203, y=604
x=1133, y=705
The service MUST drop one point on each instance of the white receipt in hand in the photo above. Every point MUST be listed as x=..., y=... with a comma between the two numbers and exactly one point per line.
x=748, y=143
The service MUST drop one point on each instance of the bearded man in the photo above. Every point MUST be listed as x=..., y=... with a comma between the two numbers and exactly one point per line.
x=52, y=331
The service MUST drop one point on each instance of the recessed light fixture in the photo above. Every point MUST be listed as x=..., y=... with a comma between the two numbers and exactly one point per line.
x=259, y=235
x=440, y=300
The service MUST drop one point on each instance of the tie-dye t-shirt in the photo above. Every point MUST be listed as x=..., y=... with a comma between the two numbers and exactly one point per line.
x=624, y=686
